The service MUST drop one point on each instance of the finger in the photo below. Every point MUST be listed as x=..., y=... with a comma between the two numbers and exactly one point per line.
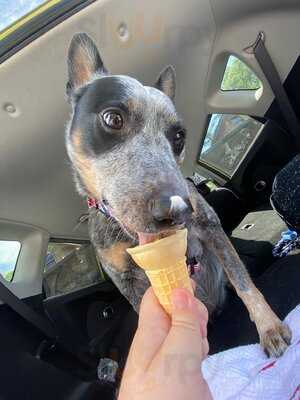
x=203, y=313
x=187, y=338
x=153, y=328
x=203, y=317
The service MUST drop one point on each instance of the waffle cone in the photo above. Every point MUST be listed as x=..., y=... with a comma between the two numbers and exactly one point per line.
x=164, y=262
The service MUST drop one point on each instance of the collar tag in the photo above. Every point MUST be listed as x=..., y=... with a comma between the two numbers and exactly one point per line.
x=93, y=203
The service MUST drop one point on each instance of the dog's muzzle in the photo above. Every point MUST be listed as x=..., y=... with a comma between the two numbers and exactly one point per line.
x=173, y=210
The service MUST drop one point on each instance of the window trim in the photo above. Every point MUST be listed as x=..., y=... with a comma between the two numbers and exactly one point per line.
x=25, y=18
x=68, y=240
x=214, y=169
x=38, y=25
x=16, y=265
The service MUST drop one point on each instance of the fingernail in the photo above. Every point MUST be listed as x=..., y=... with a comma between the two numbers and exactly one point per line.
x=180, y=299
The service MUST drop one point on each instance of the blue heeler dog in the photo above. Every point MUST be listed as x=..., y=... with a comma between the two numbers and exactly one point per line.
x=126, y=142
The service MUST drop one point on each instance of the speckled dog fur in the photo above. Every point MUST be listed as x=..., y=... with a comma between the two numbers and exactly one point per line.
x=126, y=157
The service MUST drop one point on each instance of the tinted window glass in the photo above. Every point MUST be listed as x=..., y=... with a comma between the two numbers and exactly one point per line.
x=12, y=11
x=227, y=140
x=238, y=76
x=69, y=267
x=57, y=252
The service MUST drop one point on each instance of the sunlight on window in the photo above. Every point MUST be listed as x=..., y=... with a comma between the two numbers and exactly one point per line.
x=9, y=253
x=238, y=76
x=11, y=11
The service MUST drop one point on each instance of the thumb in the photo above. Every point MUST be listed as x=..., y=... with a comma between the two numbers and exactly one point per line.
x=153, y=328
x=186, y=342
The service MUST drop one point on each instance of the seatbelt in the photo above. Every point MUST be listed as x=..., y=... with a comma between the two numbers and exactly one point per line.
x=30, y=315
x=39, y=322
x=265, y=62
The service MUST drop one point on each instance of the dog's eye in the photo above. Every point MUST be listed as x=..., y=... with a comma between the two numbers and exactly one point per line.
x=113, y=119
x=178, y=141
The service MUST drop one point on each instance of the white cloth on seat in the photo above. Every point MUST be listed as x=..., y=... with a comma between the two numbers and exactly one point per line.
x=245, y=372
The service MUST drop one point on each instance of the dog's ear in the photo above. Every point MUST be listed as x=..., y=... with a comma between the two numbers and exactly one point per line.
x=166, y=81
x=84, y=62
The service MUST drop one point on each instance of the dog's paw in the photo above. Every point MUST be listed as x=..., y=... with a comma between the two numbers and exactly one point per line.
x=276, y=340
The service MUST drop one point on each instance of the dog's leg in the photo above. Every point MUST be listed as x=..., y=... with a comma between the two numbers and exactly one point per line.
x=210, y=276
x=274, y=335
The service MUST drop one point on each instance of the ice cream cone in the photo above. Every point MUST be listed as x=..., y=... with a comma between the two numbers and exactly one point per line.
x=164, y=262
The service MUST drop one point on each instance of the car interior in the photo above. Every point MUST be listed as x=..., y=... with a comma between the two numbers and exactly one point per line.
x=65, y=328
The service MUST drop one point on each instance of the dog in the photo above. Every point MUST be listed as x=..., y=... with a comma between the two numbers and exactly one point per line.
x=126, y=142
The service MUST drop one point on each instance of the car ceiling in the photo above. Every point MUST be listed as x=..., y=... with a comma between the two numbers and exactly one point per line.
x=195, y=36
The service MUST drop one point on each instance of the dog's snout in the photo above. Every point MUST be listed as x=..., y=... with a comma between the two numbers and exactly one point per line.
x=170, y=209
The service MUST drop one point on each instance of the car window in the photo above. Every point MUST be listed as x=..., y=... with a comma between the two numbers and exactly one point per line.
x=9, y=253
x=12, y=11
x=57, y=252
x=238, y=76
x=16, y=13
x=21, y=21
x=227, y=140
x=69, y=267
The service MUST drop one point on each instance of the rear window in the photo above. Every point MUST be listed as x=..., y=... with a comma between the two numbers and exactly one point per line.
x=9, y=253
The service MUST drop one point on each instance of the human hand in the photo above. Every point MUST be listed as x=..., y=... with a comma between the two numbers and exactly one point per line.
x=165, y=358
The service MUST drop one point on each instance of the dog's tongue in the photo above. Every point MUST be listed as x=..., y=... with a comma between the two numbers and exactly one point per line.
x=145, y=238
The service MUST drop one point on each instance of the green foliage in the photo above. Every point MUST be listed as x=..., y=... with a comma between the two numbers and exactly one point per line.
x=8, y=275
x=238, y=76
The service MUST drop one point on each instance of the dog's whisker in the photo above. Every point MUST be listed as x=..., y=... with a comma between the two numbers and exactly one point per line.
x=119, y=235
x=112, y=227
x=107, y=229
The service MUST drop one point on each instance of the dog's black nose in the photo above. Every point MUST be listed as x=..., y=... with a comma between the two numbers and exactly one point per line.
x=173, y=209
